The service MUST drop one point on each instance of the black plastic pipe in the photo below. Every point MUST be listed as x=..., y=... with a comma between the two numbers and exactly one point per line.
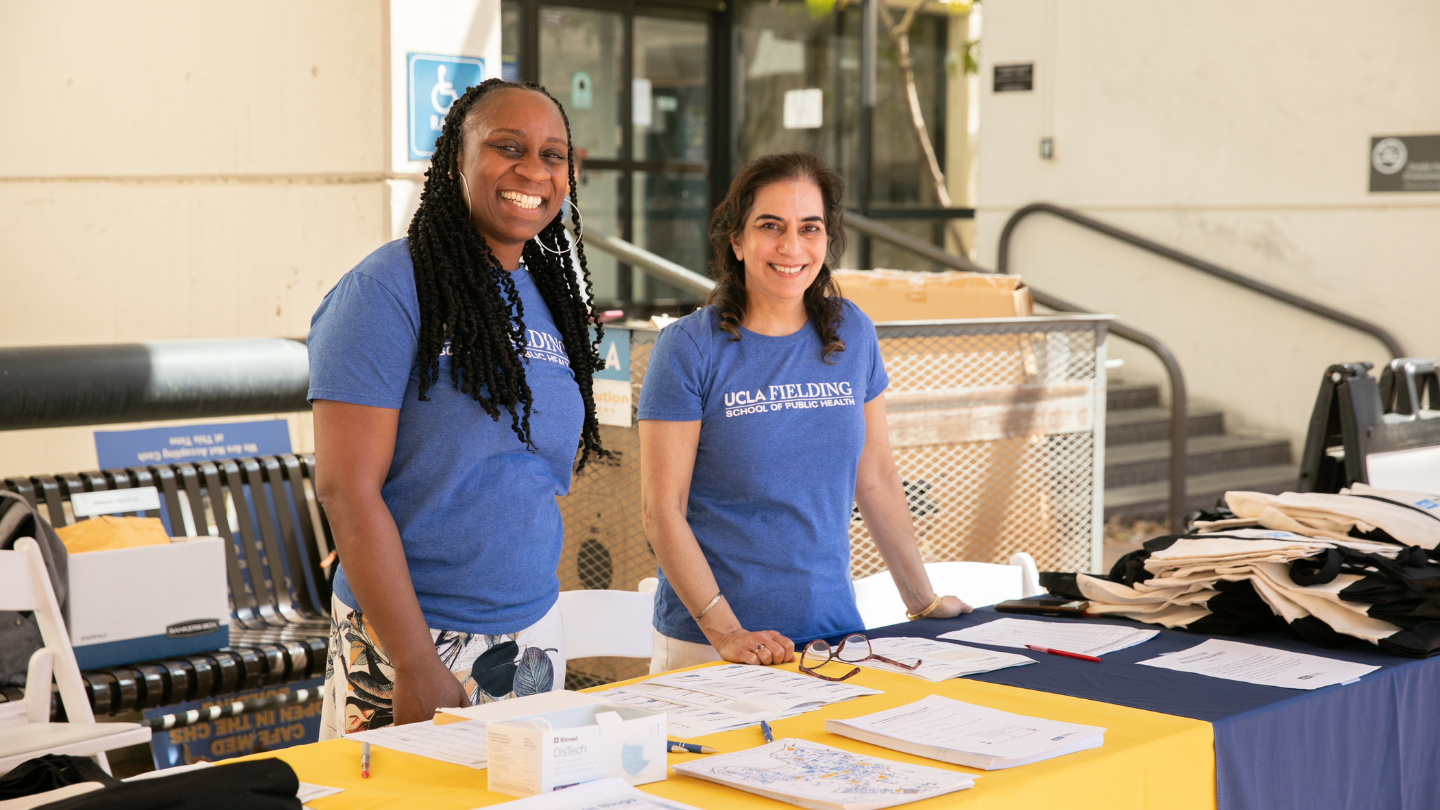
x=65, y=386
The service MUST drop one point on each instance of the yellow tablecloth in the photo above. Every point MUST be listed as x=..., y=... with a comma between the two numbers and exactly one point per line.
x=1149, y=760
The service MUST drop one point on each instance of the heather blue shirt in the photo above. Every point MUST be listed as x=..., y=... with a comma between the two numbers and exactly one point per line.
x=476, y=510
x=780, y=437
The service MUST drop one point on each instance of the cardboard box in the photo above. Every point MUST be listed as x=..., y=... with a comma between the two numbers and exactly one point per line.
x=905, y=295
x=136, y=604
x=554, y=750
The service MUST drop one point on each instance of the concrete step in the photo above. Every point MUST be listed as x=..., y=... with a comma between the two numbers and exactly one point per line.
x=1135, y=425
x=1119, y=397
x=1151, y=500
x=1146, y=462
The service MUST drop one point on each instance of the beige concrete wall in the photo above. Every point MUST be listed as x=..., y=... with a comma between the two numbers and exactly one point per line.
x=1236, y=131
x=174, y=170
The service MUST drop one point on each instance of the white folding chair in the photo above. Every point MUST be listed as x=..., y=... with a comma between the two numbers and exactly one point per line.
x=979, y=584
x=607, y=623
x=25, y=585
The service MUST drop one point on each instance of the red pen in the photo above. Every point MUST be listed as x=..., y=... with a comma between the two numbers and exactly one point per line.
x=1038, y=648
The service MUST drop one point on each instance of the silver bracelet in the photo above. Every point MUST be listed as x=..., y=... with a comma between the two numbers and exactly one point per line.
x=713, y=603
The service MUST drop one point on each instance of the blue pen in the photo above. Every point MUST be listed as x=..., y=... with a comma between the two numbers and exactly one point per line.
x=690, y=748
x=765, y=729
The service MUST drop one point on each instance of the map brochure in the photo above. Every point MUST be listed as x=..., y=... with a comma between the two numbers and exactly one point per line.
x=965, y=734
x=939, y=660
x=819, y=777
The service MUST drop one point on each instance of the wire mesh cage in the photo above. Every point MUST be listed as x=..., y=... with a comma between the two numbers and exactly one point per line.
x=997, y=426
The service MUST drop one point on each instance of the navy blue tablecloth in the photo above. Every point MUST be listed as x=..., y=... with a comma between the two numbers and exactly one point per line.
x=1372, y=744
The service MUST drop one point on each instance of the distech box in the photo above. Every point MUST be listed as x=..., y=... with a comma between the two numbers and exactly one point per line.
x=554, y=750
x=135, y=604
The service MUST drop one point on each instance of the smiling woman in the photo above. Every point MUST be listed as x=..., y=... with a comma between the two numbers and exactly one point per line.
x=451, y=377
x=762, y=421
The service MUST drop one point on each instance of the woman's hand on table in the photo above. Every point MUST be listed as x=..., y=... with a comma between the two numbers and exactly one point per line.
x=949, y=608
x=421, y=691
x=763, y=647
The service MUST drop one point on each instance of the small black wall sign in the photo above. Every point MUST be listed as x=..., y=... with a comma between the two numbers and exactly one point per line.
x=1015, y=78
x=1405, y=163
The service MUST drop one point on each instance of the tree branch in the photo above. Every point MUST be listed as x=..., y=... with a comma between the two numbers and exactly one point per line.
x=900, y=34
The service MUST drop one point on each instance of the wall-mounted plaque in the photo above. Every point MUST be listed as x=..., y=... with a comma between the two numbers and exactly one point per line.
x=1018, y=78
x=1405, y=163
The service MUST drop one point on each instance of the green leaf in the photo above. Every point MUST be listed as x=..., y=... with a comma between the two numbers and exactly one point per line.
x=819, y=8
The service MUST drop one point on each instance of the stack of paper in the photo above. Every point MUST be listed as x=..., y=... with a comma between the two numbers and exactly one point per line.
x=939, y=660
x=1251, y=663
x=823, y=778
x=731, y=696
x=1085, y=638
x=975, y=736
x=459, y=743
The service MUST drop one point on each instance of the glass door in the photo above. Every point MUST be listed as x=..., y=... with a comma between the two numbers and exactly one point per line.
x=582, y=63
x=635, y=82
x=671, y=97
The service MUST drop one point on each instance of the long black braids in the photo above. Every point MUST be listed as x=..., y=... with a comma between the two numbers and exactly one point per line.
x=467, y=299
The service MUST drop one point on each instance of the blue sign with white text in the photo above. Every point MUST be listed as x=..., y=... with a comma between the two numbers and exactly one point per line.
x=193, y=443
x=436, y=82
x=615, y=351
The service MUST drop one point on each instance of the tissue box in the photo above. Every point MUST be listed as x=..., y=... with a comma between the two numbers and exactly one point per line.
x=553, y=750
x=147, y=602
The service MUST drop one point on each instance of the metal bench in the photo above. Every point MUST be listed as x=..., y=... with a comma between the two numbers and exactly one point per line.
x=278, y=542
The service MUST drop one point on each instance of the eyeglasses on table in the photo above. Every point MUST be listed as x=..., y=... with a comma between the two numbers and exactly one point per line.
x=853, y=649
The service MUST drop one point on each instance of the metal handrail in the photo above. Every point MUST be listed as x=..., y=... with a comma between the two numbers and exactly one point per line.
x=1299, y=302
x=1178, y=397
x=657, y=266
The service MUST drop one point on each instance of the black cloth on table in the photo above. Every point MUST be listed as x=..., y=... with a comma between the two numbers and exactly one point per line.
x=48, y=772
x=265, y=784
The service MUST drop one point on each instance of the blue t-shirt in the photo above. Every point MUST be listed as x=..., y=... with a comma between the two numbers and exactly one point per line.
x=780, y=437
x=476, y=510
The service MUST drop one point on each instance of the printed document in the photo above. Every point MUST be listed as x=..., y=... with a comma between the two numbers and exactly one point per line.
x=602, y=794
x=823, y=778
x=772, y=690
x=976, y=736
x=682, y=720
x=939, y=660
x=459, y=743
x=1077, y=637
x=1250, y=663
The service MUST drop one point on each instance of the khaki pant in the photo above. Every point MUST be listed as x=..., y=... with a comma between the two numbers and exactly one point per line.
x=672, y=653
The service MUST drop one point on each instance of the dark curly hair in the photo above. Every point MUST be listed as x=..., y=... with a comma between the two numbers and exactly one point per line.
x=468, y=299
x=822, y=298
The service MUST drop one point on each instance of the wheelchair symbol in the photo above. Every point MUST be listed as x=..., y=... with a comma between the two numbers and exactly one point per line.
x=442, y=88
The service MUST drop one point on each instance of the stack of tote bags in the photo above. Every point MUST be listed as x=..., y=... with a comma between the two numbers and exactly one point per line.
x=1362, y=564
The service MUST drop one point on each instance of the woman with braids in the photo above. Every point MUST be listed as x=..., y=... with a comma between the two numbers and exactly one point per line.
x=451, y=378
x=762, y=420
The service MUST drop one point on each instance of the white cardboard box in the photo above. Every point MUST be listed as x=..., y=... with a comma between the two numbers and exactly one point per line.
x=136, y=604
x=553, y=750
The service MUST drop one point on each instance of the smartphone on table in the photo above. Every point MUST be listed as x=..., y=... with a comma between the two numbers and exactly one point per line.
x=1045, y=606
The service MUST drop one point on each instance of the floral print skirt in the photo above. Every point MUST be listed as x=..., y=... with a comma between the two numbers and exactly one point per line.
x=359, y=680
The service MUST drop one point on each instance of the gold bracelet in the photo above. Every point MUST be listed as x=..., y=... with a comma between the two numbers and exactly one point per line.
x=927, y=611
x=713, y=603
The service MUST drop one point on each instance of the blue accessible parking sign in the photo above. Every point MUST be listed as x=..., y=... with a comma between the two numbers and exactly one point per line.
x=436, y=82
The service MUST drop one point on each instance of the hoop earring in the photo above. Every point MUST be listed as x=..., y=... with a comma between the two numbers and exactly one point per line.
x=466, y=186
x=579, y=232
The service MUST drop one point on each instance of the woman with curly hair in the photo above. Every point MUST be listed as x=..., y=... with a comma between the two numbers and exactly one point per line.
x=762, y=420
x=451, y=378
